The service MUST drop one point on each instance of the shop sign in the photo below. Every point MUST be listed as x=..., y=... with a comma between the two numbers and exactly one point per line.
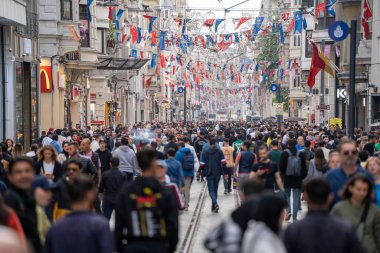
x=97, y=122
x=278, y=109
x=45, y=79
x=92, y=97
x=336, y=121
x=323, y=107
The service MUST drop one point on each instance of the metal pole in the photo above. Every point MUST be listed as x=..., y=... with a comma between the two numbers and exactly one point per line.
x=322, y=91
x=279, y=117
x=184, y=105
x=336, y=112
x=351, y=117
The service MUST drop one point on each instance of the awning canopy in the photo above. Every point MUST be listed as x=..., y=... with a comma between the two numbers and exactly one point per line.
x=113, y=63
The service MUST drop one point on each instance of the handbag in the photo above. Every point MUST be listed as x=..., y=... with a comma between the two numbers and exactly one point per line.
x=360, y=226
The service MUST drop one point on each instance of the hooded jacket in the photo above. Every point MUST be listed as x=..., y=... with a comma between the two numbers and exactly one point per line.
x=179, y=156
x=128, y=160
x=212, y=160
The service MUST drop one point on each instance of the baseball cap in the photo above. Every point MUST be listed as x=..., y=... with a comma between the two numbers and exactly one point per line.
x=44, y=183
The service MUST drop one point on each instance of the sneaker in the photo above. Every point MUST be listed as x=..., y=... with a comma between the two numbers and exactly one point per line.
x=216, y=209
x=288, y=216
x=229, y=191
x=225, y=192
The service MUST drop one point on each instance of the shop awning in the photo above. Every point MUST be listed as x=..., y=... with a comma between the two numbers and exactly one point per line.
x=113, y=63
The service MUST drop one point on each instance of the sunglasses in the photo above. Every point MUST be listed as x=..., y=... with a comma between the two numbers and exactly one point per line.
x=72, y=169
x=348, y=152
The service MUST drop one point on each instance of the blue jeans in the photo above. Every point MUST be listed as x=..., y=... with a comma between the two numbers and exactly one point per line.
x=296, y=200
x=212, y=185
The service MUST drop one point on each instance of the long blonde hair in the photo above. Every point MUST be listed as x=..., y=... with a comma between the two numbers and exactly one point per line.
x=18, y=150
x=50, y=148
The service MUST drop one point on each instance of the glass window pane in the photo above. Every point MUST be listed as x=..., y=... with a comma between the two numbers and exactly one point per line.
x=18, y=102
x=34, y=103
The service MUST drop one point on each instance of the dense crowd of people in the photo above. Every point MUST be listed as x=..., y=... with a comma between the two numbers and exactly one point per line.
x=60, y=195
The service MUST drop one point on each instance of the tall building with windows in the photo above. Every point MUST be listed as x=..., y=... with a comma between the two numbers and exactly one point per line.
x=19, y=57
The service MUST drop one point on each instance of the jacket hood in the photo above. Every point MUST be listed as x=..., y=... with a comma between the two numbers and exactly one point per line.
x=185, y=150
x=124, y=148
x=211, y=150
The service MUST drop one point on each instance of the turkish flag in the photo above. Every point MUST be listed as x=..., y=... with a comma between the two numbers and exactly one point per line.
x=134, y=33
x=317, y=64
x=162, y=60
x=320, y=7
x=242, y=21
x=154, y=38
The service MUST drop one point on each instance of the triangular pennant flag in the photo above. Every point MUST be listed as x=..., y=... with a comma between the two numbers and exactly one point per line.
x=119, y=14
x=217, y=23
x=242, y=21
x=89, y=16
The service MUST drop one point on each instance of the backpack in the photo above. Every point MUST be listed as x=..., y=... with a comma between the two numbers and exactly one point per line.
x=188, y=161
x=293, y=167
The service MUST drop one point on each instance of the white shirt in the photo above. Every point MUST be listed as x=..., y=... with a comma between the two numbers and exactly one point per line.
x=94, y=145
x=48, y=168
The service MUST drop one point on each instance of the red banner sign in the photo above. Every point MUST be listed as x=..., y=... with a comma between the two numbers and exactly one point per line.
x=46, y=84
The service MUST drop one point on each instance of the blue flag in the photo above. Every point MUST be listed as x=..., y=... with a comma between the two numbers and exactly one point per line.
x=89, y=16
x=281, y=31
x=138, y=34
x=134, y=53
x=162, y=40
x=151, y=24
x=257, y=25
x=236, y=35
x=298, y=21
x=217, y=23
x=281, y=73
x=330, y=8
x=119, y=14
x=153, y=62
x=116, y=25
x=185, y=21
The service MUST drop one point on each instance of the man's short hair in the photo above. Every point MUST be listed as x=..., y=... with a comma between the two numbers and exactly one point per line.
x=307, y=144
x=75, y=161
x=114, y=162
x=318, y=190
x=344, y=142
x=21, y=159
x=274, y=143
x=171, y=152
x=145, y=158
x=74, y=143
x=252, y=186
x=79, y=187
x=124, y=141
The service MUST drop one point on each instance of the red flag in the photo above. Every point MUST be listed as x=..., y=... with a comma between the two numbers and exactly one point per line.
x=154, y=38
x=179, y=20
x=142, y=54
x=320, y=7
x=143, y=81
x=209, y=23
x=202, y=39
x=285, y=16
x=110, y=8
x=291, y=25
x=123, y=38
x=162, y=60
x=148, y=82
x=242, y=21
x=317, y=64
x=134, y=33
x=367, y=14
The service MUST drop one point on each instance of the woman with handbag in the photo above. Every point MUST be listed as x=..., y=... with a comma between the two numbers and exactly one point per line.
x=358, y=209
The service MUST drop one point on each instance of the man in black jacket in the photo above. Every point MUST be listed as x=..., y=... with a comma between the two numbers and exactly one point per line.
x=19, y=198
x=319, y=232
x=146, y=212
x=110, y=185
x=171, y=144
x=104, y=155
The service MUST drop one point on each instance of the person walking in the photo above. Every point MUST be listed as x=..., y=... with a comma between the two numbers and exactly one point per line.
x=293, y=169
x=186, y=158
x=213, y=161
x=339, y=177
x=244, y=163
x=228, y=153
x=128, y=162
x=373, y=166
x=175, y=171
x=110, y=185
x=19, y=197
x=48, y=165
x=153, y=233
x=105, y=155
x=88, y=167
x=320, y=232
x=81, y=231
x=318, y=165
x=358, y=209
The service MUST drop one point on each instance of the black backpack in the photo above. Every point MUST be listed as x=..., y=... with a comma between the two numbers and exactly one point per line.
x=293, y=168
x=188, y=161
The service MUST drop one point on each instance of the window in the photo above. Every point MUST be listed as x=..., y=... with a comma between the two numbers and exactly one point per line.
x=308, y=47
x=83, y=12
x=297, y=2
x=101, y=43
x=66, y=10
x=296, y=40
x=297, y=81
x=84, y=26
